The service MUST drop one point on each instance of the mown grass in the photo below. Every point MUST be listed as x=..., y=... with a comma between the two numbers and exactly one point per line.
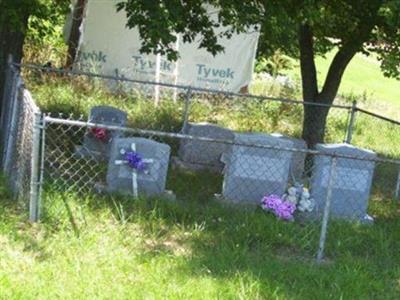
x=362, y=78
x=120, y=248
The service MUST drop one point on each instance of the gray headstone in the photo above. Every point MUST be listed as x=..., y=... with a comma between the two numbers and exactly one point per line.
x=106, y=115
x=149, y=182
x=352, y=184
x=297, y=164
x=253, y=172
x=201, y=154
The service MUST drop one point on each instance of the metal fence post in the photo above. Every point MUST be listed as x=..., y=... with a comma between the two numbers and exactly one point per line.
x=34, y=201
x=325, y=219
x=350, y=128
x=397, y=192
x=186, y=109
x=42, y=158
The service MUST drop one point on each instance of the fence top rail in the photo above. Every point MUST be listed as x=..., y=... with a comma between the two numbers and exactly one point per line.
x=178, y=86
x=378, y=116
x=80, y=123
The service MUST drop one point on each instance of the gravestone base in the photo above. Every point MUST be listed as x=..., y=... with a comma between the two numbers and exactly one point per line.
x=189, y=166
x=101, y=188
x=249, y=206
x=309, y=217
x=367, y=220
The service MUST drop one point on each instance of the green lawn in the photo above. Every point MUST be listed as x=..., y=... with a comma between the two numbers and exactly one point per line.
x=362, y=77
x=120, y=248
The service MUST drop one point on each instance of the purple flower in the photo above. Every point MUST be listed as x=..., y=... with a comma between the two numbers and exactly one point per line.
x=285, y=210
x=271, y=202
x=134, y=160
x=282, y=209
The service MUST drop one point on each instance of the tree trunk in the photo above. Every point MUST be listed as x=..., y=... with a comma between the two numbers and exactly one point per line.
x=73, y=39
x=11, y=43
x=314, y=124
x=315, y=114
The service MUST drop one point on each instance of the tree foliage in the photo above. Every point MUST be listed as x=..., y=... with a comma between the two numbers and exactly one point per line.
x=298, y=28
x=368, y=25
x=17, y=17
x=42, y=14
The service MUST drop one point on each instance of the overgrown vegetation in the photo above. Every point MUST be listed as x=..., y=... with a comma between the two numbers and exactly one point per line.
x=76, y=96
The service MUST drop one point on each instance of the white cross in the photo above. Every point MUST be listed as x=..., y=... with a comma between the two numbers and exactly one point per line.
x=134, y=172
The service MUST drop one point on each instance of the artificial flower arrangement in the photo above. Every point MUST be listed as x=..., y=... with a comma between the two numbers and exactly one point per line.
x=100, y=134
x=134, y=160
x=284, y=207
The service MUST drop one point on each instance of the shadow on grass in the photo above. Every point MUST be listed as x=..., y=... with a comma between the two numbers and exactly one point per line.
x=233, y=243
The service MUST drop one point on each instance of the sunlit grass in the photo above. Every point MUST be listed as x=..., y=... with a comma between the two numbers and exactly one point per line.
x=121, y=248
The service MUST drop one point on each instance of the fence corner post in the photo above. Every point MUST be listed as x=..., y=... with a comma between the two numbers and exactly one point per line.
x=397, y=192
x=34, y=201
x=350, y=128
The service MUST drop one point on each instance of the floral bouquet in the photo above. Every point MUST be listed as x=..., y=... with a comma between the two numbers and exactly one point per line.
x=282, y=209
x=134, y=160
x=101, y=134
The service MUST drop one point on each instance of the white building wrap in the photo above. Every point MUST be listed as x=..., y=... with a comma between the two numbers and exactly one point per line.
x=109, y=47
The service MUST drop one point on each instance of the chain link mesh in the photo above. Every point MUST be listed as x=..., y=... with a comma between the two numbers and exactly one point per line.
x=241, y=171
x=18, y=116
x=195, y=145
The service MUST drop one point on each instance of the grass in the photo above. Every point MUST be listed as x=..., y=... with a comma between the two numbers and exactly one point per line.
x=77, y=96
x=363, y=78
x=119, y=248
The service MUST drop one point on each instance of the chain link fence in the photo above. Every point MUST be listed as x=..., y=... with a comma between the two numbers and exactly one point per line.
x=336, y=183
x=367, y=126
x=232, y=148
x=18, y=115
x=169, y=107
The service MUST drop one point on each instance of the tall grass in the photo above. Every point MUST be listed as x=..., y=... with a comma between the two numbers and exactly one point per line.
x=77, y=96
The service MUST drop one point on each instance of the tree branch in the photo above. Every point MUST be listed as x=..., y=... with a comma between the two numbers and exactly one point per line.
x=335, y=73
